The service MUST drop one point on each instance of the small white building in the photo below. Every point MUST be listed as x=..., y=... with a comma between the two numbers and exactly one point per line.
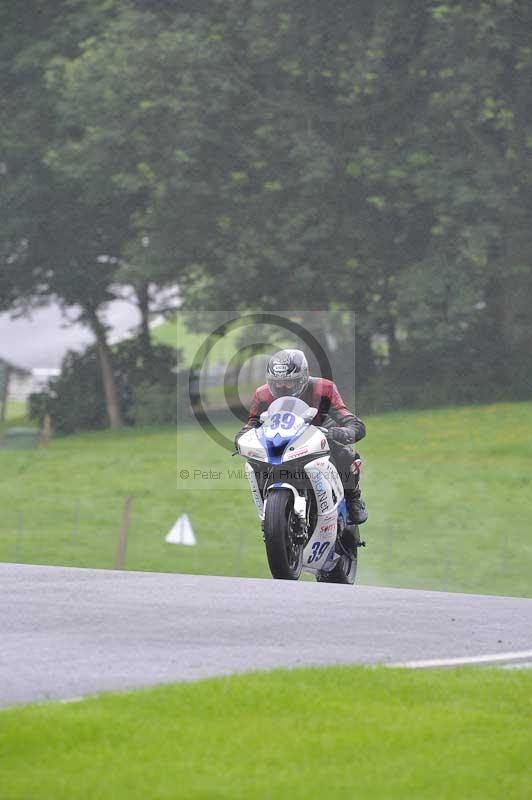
x=10, y=376
x=17, y=383
x=21, y=386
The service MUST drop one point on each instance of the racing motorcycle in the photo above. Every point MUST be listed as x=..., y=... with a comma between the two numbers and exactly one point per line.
x=299, y=495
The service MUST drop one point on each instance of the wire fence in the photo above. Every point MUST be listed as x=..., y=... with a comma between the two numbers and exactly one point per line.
x=77, y=534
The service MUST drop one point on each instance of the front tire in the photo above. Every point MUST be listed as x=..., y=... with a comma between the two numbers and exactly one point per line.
x=284, y=552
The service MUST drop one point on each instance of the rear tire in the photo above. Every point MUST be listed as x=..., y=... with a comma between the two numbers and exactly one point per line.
x=345, y=569
x=285, y=554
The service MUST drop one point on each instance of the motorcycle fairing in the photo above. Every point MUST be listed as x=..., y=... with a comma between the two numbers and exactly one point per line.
x=329, y=494
x=301, y=440
x=250, y=446
x=279, y=449
x=255, y=491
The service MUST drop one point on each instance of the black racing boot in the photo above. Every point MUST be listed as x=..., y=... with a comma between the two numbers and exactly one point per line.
x=356, y=508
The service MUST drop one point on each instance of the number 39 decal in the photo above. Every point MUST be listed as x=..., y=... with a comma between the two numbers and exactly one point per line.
x=318, y=551
x=285, y=420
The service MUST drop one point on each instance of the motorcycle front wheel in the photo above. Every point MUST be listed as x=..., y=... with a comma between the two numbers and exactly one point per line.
x=284, y=552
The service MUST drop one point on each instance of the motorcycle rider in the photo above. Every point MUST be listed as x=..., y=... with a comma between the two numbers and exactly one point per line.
x=287, y=374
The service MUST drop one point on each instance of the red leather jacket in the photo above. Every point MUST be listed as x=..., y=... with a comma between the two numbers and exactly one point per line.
x=320, y=393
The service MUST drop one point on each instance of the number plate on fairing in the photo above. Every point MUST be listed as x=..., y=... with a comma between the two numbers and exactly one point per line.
x=321, y=544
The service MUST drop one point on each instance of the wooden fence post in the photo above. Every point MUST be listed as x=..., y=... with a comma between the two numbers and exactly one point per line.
x=122, y=541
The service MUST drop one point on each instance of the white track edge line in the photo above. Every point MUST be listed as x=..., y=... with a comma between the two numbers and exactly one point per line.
x=464, y=660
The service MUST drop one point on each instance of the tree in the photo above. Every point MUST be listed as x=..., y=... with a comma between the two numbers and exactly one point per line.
x=474, y=144
x=368, y=156
x=139, y=130
x=314, y=180
x=286, y=138
x=53, y=238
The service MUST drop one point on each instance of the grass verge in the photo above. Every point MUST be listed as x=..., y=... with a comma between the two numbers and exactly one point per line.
x=338, y=732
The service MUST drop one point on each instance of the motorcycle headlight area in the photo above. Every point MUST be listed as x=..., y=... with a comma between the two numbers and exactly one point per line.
x=251, y=447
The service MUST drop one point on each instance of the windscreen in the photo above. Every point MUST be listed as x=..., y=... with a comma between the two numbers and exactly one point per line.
x=292, y=404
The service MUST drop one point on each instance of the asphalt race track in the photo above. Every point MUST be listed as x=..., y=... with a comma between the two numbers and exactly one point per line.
x=65, y=633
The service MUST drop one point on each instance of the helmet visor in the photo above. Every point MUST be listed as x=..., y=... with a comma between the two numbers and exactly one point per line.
x=279, y=387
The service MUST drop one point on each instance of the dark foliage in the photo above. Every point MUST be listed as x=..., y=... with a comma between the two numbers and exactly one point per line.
x=75, y=400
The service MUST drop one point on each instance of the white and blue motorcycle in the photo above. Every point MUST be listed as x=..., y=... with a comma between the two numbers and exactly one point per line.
x=299, y=495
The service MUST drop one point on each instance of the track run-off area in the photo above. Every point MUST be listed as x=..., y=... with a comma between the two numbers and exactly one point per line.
x=68, y=633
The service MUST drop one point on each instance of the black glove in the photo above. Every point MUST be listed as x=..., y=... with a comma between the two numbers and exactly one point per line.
x=341, y=435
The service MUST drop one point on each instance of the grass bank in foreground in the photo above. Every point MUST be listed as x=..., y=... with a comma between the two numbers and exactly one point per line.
x=448, y=493
x=338, y=733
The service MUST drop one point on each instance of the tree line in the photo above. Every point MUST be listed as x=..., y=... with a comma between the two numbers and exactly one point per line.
x=263, y=154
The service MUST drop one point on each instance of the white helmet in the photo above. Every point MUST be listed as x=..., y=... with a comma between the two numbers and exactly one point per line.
x=287, y=373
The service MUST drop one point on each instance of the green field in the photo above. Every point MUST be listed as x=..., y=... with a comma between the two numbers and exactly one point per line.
x=15, y=410
x=176, y=333
x=15, y=415
x=448, y=493
x=336, y=733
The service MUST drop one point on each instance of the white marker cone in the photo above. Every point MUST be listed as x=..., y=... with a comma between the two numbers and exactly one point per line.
x=182, y=532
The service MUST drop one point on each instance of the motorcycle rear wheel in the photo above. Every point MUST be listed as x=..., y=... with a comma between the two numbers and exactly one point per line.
x=285, y=554
x=345, y=569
